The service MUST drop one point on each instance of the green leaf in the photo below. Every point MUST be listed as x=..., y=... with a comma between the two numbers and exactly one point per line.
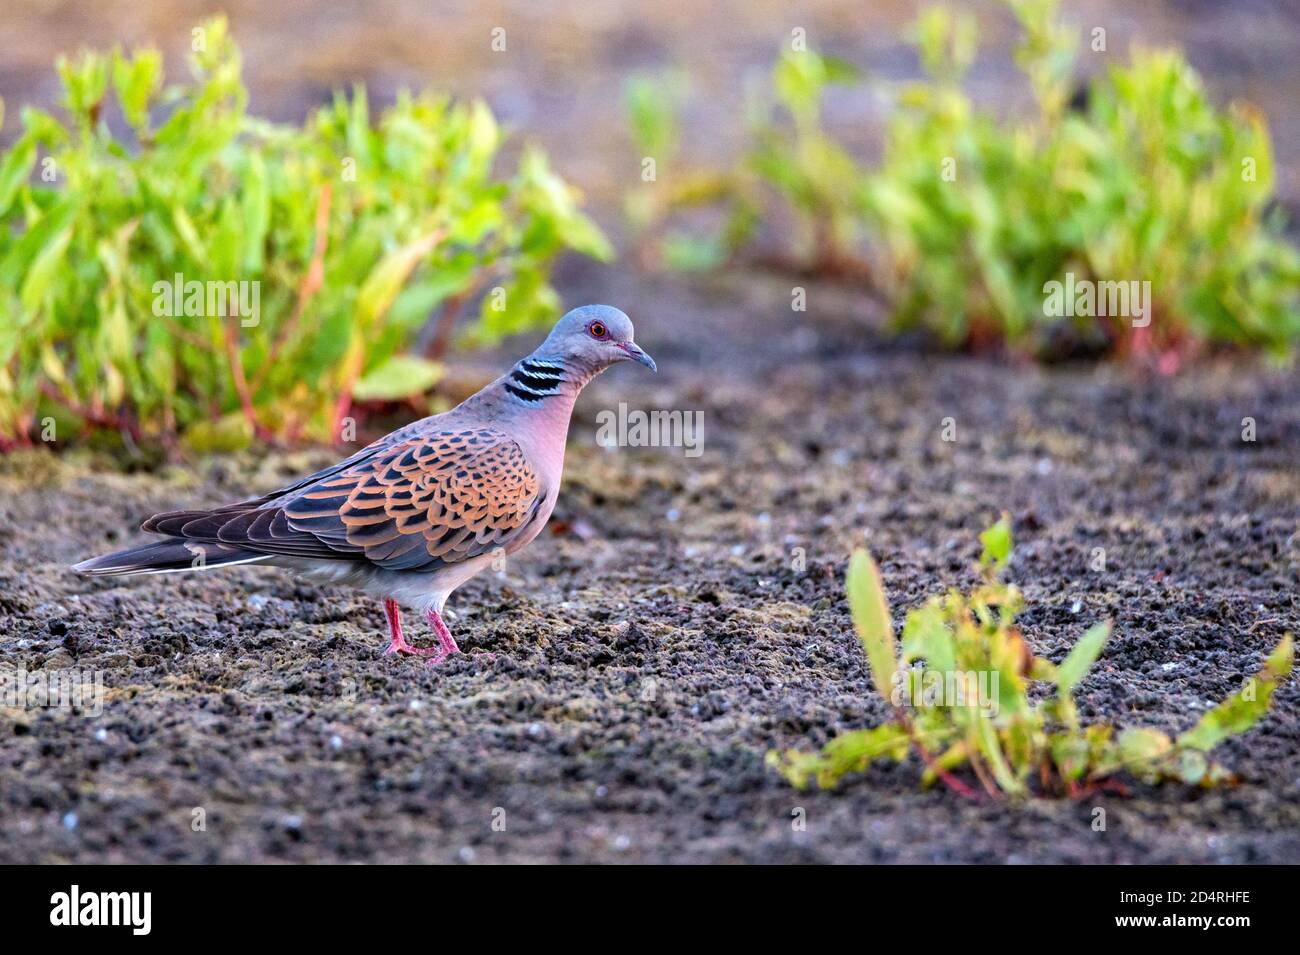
x=1243, y=709
x=997, y=544
x=389, y=275
x=137, y=79
x=926, y=636
x=84, y=83
x=990, y=747
x=870, y=612
x=1070, y=754
x=400, y=377
x=189, y=235
x=49, y=261
x=231, y=432
x=1140, y=749
x=256, y=212
x=691, y=253
x=798, y=79
x=653, y=103
x=15, y=170
x=1081, y=657
x=849, y=752
x=1192, y=766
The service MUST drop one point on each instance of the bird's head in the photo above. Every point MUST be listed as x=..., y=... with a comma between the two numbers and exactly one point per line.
x=594, y=337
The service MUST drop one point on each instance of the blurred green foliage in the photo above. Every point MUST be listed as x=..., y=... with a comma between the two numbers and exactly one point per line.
x=970, y=216
x=794, y=172
x=654, y=104
x=356, y=233
x=801, y=163
x=1014, y=743
x=1148, y=182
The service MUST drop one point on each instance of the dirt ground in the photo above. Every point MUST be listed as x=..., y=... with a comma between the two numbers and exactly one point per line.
x=648, y=654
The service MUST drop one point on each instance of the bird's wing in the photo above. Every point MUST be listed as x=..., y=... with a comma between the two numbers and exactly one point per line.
x=415, y=505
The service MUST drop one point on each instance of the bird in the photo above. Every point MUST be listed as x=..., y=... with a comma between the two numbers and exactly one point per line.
x=417, y=513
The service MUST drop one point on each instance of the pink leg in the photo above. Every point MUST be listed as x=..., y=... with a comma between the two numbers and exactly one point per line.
x=446, y=643
x=398, y=643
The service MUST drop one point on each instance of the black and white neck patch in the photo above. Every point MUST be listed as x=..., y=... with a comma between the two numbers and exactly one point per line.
x=535, y=379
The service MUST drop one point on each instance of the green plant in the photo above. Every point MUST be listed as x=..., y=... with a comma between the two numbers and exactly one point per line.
x=810, y=174
x=654, y=103
x=794, y=174
x=970, y=705
x=1148, y=183
x=1142, y=222
x=343, y=237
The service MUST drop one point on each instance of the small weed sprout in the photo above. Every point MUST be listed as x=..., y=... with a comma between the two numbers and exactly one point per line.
x=1013, y=745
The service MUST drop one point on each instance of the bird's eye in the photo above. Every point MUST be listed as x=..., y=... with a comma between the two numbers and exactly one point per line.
x=597, y=330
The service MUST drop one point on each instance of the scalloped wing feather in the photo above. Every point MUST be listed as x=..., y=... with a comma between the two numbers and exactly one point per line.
x=416, y=505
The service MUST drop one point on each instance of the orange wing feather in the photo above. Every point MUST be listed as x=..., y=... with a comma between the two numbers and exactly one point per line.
x=445, y=496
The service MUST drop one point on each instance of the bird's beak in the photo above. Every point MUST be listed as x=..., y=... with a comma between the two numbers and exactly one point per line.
x=636, y=354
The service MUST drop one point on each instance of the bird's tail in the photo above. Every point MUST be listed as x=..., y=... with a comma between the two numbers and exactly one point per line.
x=167, y=557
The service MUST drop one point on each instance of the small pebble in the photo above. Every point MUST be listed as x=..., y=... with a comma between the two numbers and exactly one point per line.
x=70, y=821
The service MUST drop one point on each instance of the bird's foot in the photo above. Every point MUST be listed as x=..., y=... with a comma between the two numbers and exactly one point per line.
x=397, y=643
x=401, y=646
x=446, y=642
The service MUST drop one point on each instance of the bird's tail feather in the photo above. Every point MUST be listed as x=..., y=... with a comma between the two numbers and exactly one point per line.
x=167, y=557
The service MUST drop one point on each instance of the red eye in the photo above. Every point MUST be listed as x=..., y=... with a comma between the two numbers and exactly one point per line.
x=597, y=330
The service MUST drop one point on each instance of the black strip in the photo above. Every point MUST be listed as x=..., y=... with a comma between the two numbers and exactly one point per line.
x=534, y=382
x=523, y=395
x=545, y=370
x=261, y=895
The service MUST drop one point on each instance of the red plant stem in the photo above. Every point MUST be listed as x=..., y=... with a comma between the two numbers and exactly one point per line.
x=441, y=340
x=952, y=782
x=100, y=417
x=446, y=322
x=341, y=409
x=311, y=283
x=983, y=776
x=241, y=381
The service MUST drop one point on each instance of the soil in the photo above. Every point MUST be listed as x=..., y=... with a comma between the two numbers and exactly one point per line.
x=685, y=616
